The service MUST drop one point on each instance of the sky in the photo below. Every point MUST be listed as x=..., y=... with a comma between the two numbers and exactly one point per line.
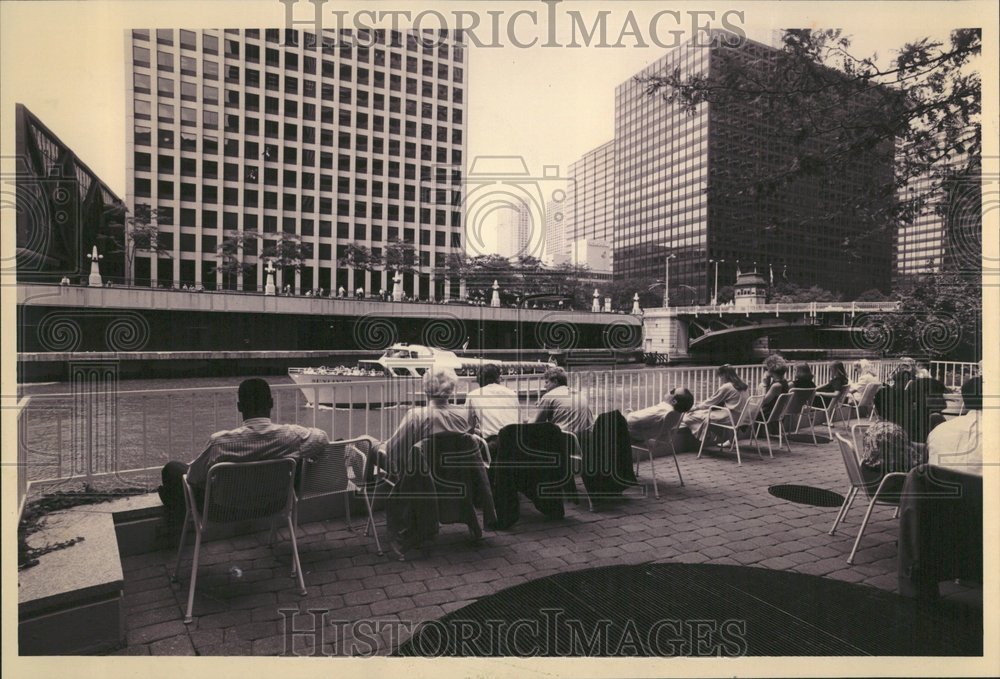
x=544, y=105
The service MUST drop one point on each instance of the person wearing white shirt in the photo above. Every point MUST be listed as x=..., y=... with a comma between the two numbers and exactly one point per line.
x=957, y=443
x=492, y=406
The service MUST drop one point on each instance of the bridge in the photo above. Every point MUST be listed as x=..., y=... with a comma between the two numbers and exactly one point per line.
x=676, y=331
x=64, y=323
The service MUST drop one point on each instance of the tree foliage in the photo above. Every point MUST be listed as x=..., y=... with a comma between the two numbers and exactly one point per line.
x=138, y=232
x=789, y=293
x=939, y=317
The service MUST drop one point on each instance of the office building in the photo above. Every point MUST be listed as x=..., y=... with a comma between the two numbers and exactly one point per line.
x=63, y=208
x=515, y=231
x=558, y=214
x=684, y=187
x=592, y=194
x=314, y=144
x=946, y=232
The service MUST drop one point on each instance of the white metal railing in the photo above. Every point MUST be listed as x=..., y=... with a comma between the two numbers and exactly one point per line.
x=799, y=307
x=953, y=373
x=64, y=436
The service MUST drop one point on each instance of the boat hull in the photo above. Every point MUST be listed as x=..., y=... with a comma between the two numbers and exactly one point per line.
x=346, y=391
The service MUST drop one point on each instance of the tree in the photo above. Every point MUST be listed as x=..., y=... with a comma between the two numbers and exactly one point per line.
x=359, y=258
x=400, y=256
x=939, y=317
x=231, y=262
x=137, y=233
x=873, y=295
x=789, y=293
x=727, y=294
x=285, y=250
x=832, y=109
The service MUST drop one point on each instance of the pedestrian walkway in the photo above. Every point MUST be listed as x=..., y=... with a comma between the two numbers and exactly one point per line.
x=723, y=515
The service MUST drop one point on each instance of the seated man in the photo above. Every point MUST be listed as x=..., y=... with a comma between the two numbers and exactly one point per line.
x=567, y=409
x=492, y=406
x=257, y=439
x=957, y=443
x=645, y=424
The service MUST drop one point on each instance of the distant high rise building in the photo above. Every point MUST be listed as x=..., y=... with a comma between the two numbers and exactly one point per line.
x=946, y=234
x=326, y=143
x=558, y=214
x=681, y=188
x=592, y=195
x=514, y=232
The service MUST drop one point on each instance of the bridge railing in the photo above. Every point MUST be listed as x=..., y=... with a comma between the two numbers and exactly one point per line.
x=811, y=308
x=106, y=433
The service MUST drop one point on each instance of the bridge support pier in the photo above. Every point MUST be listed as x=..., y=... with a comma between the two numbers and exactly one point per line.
x=665, y=333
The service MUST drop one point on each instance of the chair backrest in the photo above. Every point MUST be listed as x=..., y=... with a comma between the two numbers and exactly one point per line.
x=244, y=491
x=327, y=471
x=780, y=408
x=868, y=395
x=800, y=398
x=669, y=424
x=837, y=400
x=750, y=410
x=851, y=463
x=857, y=435
x=450, y=456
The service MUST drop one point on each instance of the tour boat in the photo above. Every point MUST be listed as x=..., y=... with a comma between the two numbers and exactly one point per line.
x=392, y=378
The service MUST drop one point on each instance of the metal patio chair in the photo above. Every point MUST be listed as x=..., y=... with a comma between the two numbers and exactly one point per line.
x=668, y=426
x=831, y=404
x=888, y=491
x=745, y=420
x=777, y=416
x=237, y=492
x=340, y=468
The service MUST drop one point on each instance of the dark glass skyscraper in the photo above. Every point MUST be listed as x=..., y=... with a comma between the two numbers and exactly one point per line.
x=685, y=185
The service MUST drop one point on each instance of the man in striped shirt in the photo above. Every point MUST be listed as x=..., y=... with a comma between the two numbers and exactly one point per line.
x=257, y=439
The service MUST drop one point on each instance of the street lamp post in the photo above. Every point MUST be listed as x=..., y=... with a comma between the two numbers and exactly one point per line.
x=666, y=282
x=715, y=294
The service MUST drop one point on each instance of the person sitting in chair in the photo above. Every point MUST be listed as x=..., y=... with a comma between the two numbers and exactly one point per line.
x=957, y=443
x=257, y=439
x=567, y=409
x=645, y=424
x=732, y=394
x=492, y=406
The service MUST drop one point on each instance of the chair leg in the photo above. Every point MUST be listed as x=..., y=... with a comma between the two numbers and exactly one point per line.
x=371, y=521
x=848, y=501
x=188, y=618
x=296, y=564
x=895, y=514
x=180, y=547
x=652, y=470
x=704, y=435
x=677, y=464
x=347, y=510
x=861, y=531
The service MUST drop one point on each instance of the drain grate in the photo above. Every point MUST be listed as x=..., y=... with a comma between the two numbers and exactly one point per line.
x=807, y=495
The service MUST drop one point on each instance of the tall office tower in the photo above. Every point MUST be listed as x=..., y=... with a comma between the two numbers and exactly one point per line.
x=312, y=144
x=558, y=214
x=946, y=234
x=515, y=232
x=592, y=194
x=684, y=186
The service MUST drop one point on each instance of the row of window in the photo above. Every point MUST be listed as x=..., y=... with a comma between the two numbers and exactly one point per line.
x=347, y=44
x=310, y=86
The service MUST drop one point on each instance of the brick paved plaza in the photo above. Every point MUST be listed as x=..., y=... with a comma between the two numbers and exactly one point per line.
x=723, y=515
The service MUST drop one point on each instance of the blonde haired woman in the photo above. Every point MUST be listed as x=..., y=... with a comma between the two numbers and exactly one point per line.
x=439, y=415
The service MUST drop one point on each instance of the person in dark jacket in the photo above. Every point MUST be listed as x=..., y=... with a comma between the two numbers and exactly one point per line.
x=803, y=377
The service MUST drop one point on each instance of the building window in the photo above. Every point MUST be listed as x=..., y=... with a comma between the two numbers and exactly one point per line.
x=141, y=83
x=188, y=40
x=165, y=113
x=140, y=56
x=164, y=60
